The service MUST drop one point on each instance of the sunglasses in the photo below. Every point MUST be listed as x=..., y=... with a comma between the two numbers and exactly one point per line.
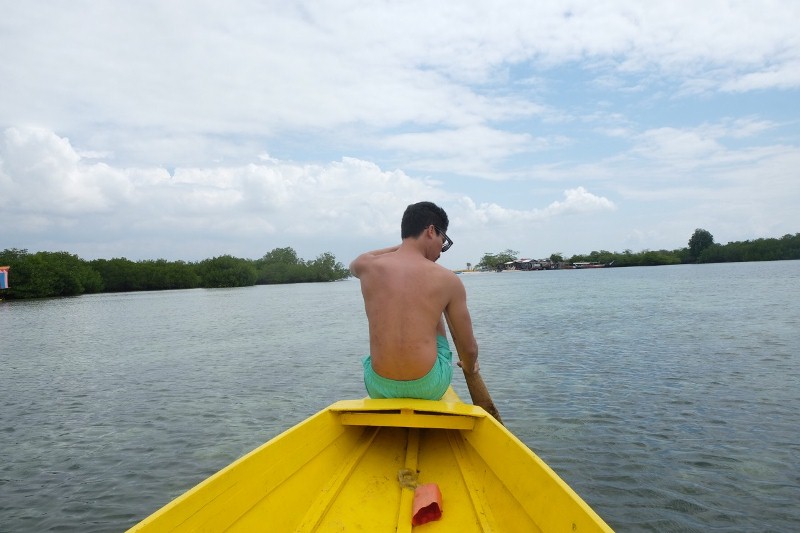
x=447, y=241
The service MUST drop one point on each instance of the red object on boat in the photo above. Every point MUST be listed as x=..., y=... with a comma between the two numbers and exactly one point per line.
x=427, y=504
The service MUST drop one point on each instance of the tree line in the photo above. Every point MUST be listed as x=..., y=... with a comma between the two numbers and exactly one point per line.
x=49, y=274
x=701, y=249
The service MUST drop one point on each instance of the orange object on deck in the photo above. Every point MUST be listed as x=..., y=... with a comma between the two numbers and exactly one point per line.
x=427, y=504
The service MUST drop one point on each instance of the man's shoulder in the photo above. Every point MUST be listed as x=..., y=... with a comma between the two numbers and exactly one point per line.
x=447, y=278
x=368, y=261
x=446, y=272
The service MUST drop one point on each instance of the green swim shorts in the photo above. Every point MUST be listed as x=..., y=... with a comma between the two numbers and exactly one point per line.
x=431, y=386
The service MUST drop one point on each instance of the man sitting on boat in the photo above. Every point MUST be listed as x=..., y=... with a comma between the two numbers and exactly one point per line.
x=407, y=296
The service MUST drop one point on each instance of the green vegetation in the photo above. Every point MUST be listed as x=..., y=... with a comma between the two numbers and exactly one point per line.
x=700, y=240
x=787, y=247
x=123, y=275
x=49, y=274
x=629, y=258
x=496, y=261
x=282, y=265
x=701, y=249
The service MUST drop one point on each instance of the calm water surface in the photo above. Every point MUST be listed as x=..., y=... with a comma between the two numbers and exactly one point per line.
x=667, y=397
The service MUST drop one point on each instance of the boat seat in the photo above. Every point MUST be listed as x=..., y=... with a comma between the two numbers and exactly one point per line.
x=447, y=413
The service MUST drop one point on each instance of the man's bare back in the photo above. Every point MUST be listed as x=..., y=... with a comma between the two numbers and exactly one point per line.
x=406, y=294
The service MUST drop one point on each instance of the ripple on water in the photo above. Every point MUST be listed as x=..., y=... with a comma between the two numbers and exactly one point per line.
x=663, y=405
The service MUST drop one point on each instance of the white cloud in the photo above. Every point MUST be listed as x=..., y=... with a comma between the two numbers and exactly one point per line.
x=577, y=201
x=272, y=67
x=41, y=172
x=471, y=151
x=580, y=201
x=683, y=151
x=50, y=188
x=164, y=111
x=490, y=143
x=677, y=146
x=784, y=76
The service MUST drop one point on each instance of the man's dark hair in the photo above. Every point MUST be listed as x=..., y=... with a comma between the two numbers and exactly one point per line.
x=421, y=215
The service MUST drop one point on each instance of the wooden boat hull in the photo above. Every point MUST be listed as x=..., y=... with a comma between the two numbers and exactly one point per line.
x=338, y=471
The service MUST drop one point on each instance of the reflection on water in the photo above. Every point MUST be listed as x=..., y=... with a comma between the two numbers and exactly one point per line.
x=667, y=396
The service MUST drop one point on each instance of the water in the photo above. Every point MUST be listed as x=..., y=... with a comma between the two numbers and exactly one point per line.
x=667, y=397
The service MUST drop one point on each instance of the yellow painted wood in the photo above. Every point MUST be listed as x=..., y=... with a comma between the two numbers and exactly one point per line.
x=482, y=511
x=327, y=496
x=337, y=471
x=407, y=493
x=407, y=420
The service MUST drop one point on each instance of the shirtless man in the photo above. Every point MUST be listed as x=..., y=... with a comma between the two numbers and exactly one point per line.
x=406, y=296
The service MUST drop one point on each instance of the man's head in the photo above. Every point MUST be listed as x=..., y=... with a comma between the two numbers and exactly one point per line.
x=426, y=223
x=420, y=216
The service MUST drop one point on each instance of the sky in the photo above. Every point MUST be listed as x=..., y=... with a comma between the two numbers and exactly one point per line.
x=170, y=129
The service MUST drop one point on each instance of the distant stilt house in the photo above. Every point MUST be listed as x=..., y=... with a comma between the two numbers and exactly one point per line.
x=523, y=264
x=529, y=265
x=4, y=277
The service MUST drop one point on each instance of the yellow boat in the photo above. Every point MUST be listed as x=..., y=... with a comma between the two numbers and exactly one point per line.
x=351, y=467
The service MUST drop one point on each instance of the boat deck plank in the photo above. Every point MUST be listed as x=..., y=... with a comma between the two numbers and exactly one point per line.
x=338, y=471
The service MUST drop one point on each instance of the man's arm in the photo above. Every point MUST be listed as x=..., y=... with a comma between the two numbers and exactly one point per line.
x=358, y=264
x=460, y=324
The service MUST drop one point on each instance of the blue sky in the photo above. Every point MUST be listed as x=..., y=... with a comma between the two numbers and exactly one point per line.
x=187, y=130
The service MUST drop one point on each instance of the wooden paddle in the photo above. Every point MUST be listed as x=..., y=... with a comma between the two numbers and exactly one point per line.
x=480, y=394
x=477, y=388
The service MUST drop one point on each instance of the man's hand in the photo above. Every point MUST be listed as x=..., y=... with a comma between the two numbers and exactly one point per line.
x=476, y=368
x=480, y=396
